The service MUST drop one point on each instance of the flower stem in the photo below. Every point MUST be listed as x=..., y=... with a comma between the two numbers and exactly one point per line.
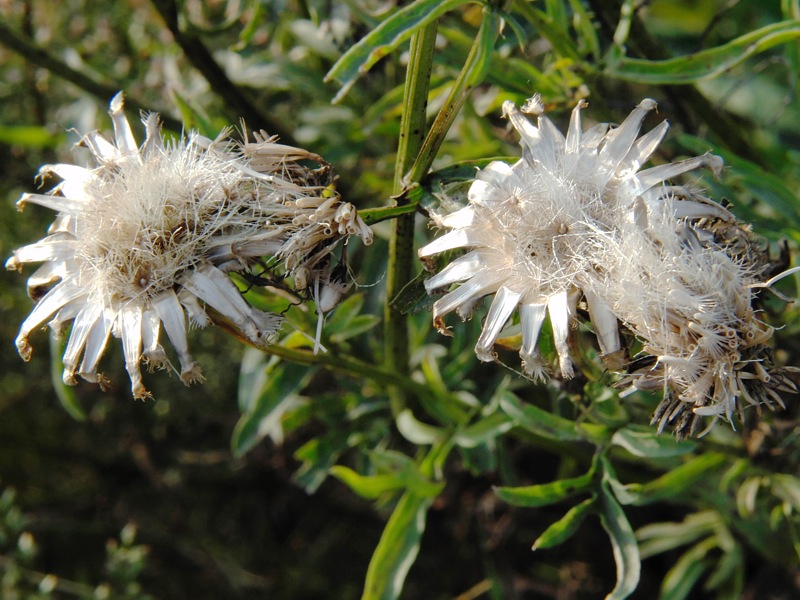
x=383, y=213
x=472, y=73
x=354, y=368
x=401, y=243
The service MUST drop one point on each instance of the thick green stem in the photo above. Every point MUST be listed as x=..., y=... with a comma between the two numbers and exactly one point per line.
x=401, y=244
x=472, y=73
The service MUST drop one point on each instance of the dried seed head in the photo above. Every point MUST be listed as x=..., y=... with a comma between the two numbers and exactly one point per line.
x=145, y=236
x=576, y=217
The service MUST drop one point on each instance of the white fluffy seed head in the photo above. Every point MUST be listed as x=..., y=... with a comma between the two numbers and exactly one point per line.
x=577, y=215
x=145, y=236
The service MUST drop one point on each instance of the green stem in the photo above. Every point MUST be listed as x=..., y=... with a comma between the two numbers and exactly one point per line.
x=354, y=368
x=383, y=213
x=401, y=243
x=472, y=73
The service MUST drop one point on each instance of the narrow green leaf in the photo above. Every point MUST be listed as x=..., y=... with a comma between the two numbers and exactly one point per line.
x=787, y=488
x=30, y=136
x=268, y=404
x=397, y=548
x=623, y=544
x=318, y=455
x=585, y=27
x=66, y=395
x=546, y=493
x=484, y=430
x=683, y=576
x=416, y=431
x=252, y=377
x=746, y=495
x=384, y=39
x=344, y=313
x=729, y=573
x=414, y=298
x=373, y=486
x=475, y=69
x=192, y=117
x=560, y=40
x=346, y=321
x=624, y=24
x=657, y=538
x=672, y=484
x=706, y=63
x=367, y=486
x=511, y=73
x=776, y=192
x=547, y=425
x=563, y=529
x=646, y=443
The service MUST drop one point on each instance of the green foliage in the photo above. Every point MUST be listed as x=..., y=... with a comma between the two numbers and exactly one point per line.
x=394, y=463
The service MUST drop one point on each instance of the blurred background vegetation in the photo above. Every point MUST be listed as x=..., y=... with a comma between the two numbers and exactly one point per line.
x=225, y=490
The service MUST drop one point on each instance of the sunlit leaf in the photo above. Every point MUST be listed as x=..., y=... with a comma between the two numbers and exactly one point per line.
x=372, y=486
x=675, y=482
x=646, y=443
x=683, y=576
x=416, y=431
x=382, y=40
x=483, y=430
x=706, y=63
x=563, y=529
x=656, y=538
x=546, y=493
x=397, y=548
x=270, y=396
x=623, y=544
x=747, y=494
x=787, y=488
x=30, y=136
x=548, y=425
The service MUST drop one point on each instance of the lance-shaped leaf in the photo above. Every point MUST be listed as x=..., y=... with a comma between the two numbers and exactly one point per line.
x=547, y=493
x=384, y=38
x=646, y=443
x=373, y=486
x=563, y=529
x=706, y=63
x=266, y=392
x=397, y=548
x=623, y=542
